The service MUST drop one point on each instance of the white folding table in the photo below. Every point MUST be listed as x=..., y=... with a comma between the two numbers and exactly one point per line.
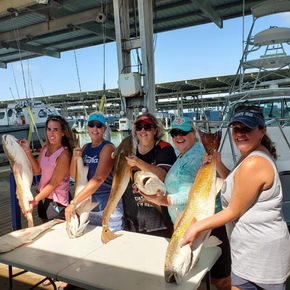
x=132, y=261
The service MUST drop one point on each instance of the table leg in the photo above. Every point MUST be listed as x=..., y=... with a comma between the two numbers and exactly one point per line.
x=207, y=279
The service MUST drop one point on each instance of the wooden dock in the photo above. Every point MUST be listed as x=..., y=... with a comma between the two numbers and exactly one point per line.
x=5, y=203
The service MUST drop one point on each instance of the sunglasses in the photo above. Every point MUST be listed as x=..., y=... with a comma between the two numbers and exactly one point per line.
x=244, y=130
x=175, y=133
x=257, y=109
x=56, y=119
x=145, y=127
x=95, y=124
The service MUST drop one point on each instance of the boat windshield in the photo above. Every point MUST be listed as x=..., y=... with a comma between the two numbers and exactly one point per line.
x=273, y=109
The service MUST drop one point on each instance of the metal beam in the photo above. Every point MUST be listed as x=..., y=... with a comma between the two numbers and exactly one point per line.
x=3, y=64
x=147, y=50
x=97, y=29
x=16, y=4
x=206, y=7
x=34, y=49
x=51, y=25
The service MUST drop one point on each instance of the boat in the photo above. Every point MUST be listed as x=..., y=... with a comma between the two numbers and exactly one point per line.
x=16, y=119
x=263, y=79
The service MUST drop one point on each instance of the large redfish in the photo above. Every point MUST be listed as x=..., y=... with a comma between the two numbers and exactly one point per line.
x=121, y=178
x=22, y=171
x=200, y=205
x=17, y=238
x=77, y=224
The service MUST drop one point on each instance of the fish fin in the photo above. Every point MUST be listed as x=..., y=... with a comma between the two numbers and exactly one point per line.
x=29, y=218
x=144, y=200
x=212, y=241
x=28, y=241
x=107, y=235
x=177, y=219
x=93, y=205
x=219, y=183
x=210, y=141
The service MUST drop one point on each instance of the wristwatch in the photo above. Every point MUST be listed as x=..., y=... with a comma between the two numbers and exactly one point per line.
x=73, y=203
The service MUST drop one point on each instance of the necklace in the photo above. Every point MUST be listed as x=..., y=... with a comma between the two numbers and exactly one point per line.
x=93, y=145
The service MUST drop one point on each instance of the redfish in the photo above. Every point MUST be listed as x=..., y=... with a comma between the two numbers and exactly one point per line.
x=201, y=204
x=121, y=178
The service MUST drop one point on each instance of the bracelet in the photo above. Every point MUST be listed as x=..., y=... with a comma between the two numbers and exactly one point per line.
x=73, y=203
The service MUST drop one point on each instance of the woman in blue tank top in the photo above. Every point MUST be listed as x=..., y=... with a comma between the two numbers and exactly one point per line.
x=97, y=156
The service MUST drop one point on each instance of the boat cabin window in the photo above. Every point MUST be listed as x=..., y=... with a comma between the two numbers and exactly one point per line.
x=2, y=115
x=10, y=113
x=272, y=109
x=42, y=114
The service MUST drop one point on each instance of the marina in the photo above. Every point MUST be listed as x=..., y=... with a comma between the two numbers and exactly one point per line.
x=49, y=28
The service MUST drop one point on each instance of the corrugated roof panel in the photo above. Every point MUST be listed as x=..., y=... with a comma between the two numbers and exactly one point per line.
x=23, y=20
x=168, y=15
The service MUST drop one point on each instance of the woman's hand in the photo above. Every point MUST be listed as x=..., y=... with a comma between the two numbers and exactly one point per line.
x=30, y=210
x=70, y=212
x=190, y=234
x=158, y=199
x=77, y=152
x=24, y=144
x=133, y=160
x=208, y=158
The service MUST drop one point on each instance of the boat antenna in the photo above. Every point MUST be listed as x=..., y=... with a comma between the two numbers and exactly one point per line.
x=104, y=31
x=73, y=28
x=243, y=32
x=42, y=90
x=11, y=93
x=16, y=33
x=15, y=81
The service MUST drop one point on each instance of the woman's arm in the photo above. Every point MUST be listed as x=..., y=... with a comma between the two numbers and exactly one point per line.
x=221, y=169
x=35, y=163
x=105, y=166
x=133, y=160
x=255, y=174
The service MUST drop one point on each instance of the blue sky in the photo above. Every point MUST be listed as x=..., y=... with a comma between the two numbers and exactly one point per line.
x=189, y=53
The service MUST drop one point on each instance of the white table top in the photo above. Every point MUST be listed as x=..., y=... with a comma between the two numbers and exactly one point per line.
x=132, y=261
x=53, y=251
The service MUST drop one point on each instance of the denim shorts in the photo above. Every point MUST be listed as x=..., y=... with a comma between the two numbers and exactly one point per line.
x=248, y=285
x=116, y=221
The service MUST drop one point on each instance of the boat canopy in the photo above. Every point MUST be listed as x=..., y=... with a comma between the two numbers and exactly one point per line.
x=272, y=35
x=270, y=7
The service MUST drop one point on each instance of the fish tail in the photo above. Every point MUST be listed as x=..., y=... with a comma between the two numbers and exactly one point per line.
x=30, y=220
x=107, y=235
x=210, y=141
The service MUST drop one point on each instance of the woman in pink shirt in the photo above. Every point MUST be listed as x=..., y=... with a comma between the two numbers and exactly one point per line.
x=53, y=163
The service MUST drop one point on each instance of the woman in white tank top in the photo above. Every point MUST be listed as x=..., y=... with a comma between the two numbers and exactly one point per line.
x=252, y=201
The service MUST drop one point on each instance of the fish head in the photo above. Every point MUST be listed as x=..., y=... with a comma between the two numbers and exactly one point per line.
x=149, y=183
x=10, y=146
x=178, y=263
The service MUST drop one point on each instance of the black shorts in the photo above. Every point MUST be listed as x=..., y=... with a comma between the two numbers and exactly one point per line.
x=50, y=210
x=222, y=267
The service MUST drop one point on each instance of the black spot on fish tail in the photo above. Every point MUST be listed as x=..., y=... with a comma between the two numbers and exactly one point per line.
x=210, y=141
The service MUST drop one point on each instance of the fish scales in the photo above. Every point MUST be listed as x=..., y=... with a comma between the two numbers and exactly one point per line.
x=121, y=178
x=77, y=224
x=200, y=205
x=22, y=171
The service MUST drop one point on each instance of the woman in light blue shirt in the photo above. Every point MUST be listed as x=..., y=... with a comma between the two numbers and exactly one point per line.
x=179, y=181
